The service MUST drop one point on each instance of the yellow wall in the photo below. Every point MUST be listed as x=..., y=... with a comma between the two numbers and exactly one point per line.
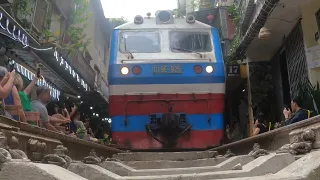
x=310, y=27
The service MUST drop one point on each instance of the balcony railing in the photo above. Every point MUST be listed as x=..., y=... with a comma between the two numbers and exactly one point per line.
x=32, y=15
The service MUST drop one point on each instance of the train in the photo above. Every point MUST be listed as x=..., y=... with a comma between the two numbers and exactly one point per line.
x=166, y=84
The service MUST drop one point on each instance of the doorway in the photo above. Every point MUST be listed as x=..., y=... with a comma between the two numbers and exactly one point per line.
x=284, y=78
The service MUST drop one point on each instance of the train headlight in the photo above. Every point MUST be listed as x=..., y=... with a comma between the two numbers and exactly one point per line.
x=209, y=69
x=124, y=70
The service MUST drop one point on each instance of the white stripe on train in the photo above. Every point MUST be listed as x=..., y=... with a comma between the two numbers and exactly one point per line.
x=137, y=89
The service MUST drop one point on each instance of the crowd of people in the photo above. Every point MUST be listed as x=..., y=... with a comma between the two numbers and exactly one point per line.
x=52, y=117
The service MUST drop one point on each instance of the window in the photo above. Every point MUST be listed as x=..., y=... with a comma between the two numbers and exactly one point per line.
x=181, y=41
x=318, y=19
x=140, y=42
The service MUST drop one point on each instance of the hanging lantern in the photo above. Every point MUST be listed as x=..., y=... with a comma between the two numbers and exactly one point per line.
x=210, y=17
x=264, y=33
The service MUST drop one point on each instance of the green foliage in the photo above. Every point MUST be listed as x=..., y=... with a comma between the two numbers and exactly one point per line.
x=199, y=4
x=261, y=87
x=235, y=15
x=233, y=47
x=233, y=11
x=81, y=133
x=309, y=95
x=115, y=22
x=178, y=13
x=106, y=140
x=78, y=22
x=23, y=9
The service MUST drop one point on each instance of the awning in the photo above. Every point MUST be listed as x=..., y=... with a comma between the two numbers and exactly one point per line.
x=25, y=50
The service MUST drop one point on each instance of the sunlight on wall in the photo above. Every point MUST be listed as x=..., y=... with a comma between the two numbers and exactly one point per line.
x=310, y=27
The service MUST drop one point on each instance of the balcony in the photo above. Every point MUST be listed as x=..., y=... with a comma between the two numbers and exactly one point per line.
x=33, y=15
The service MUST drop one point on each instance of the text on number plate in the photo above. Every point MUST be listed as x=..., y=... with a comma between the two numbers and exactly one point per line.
x=166, y=69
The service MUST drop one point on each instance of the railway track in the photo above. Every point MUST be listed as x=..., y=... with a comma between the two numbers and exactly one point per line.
x=288, y=153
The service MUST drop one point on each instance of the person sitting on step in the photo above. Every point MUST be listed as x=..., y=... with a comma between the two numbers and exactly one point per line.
x=299, y=113
x=39, y=105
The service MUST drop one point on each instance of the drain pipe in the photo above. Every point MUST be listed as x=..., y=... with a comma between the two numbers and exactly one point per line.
x=255, y=27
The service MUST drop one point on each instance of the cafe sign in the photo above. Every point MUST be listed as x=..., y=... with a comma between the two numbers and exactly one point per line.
x=13, y=31
x=64, y=64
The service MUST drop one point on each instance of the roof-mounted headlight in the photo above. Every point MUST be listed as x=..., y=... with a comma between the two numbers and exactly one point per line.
x=164, y=17
x=138, y=19
x=190, y=19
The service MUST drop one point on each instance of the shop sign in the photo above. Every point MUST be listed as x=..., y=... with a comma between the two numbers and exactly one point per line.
x=71, y=71
x=13, y=30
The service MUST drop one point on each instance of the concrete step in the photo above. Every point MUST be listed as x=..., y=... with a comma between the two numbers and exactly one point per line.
x=162, y=164
x=18, y=170
x=263, y=165
x=92, y=172
x=269, y=167
x=125, y=170
x=173, y=156
x=306, y=167
x=272, y=166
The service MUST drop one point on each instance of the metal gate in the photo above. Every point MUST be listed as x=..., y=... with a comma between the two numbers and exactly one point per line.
x=296, y=60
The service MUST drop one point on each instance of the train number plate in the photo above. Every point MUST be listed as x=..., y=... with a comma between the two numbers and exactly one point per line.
x=166, y=69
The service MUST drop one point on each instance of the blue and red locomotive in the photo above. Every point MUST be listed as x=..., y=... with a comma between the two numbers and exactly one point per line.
x=167, y=84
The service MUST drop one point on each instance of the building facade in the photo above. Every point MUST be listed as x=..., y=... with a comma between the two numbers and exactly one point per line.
x=285, y=34
x=66, y=39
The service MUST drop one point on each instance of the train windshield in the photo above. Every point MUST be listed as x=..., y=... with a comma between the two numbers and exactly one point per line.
x=182, y=41
x=140, y=42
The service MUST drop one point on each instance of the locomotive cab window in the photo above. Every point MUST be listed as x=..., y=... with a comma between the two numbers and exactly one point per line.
x=140, y=42
x=182, y=41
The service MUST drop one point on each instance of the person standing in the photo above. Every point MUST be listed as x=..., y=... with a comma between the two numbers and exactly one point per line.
x=6, y=82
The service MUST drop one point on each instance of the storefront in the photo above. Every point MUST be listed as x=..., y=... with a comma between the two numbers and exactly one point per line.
x=19, y=47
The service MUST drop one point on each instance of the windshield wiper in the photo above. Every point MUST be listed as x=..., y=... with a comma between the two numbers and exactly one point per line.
x=125, y=49
x=187, y=50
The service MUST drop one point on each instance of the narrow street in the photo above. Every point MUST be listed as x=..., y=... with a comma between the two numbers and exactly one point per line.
x=159, y=90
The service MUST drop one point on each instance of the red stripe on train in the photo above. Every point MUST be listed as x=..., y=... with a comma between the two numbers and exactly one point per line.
x=182, y=103
x=192, y=140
